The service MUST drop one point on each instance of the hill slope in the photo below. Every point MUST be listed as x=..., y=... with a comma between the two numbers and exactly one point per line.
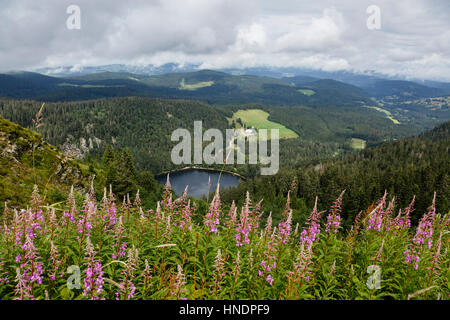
x=25, y=160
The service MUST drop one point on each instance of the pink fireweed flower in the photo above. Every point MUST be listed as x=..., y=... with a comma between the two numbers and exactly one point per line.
x=301, y=265
x=93, y=283
x=127, y=286
x=424, y=234
x=403, y=221
x=32, y=267
x=166, y=203
x=213, y=214
x=334, y=217
x=178, y=285
x=230, y=220
x=23, y=288
x=119, y=245
x=147, y=276
x=55, y=262
x=375, y=218
x=284, y=228
x=218, y=271
x=310, y=235
x=268, y=263
x=3, y=274
x=243, y=229
x=268, y=228
x=245, y=225
x=84, y=223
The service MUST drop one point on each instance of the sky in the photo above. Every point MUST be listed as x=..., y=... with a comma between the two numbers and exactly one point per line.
x=413, y=38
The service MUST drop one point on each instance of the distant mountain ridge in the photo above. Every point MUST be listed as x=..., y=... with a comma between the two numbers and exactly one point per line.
x=213, y=87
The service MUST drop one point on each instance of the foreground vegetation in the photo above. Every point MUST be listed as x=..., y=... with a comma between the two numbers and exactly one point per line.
x=89, y=249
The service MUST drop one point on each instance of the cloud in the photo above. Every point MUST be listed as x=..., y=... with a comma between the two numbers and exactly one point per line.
x=414, y=39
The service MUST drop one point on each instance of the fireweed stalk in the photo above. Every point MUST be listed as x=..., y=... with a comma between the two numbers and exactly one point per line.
x=218, y=272
x=55, y=263
x=147, y=276
x=84, y=224
x=334, y=217
x=213, y=214
x=32, y=268
x=424, y=234
x=178, y=285
x=127, y=286
x=301, y=271
x=375, y=219
x=119, y=245
x=93, y=282
x=310, y=235
x=235, y=272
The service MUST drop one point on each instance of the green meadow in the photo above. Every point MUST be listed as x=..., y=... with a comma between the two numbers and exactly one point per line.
x=259, y=119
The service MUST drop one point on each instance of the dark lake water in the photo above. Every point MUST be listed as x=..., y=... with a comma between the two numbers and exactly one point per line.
x=197, y=180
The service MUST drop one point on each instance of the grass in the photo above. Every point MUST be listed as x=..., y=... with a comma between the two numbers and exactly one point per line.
x=195, y=86
x=259, y=119
x=358, y=144
x=386, y=112
x=307, y=92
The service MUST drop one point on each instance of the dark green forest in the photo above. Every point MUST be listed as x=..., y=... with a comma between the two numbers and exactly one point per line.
x=407, y=167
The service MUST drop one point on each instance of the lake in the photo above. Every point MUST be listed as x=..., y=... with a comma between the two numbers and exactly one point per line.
x=197, y=180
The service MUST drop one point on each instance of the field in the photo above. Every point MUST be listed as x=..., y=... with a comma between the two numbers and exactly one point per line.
x=195, y=86
x=358, y=144
x=387, y=113
x=307, y=92
x=259, y=119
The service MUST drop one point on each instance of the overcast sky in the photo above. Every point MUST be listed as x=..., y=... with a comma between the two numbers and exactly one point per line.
x=414, y=38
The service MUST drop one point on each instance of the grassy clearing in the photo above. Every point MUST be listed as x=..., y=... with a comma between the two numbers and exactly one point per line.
x=259, y=119
x=386, y=112
x=307, y=92
x=358, y=144
x=195, y=86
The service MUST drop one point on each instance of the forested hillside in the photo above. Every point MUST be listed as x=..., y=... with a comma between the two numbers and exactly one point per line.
x=144, y=126
x=410, y=167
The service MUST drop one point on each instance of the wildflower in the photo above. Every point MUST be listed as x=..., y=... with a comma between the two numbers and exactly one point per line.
x=93, y=283
x=218, y=271
x=284, y=228
x=310, y=235
x=424, y=234
x=375, y=218
x=23, y=287
x=3, y=274
x=180, y=282
x=245, y=226
x=213, y=214
x=301, y=266
x=334, y=218
x=119, y=244
x=127, y=286
x=269, y=260
x=232, y=216
x=147, y=275
x=32, y=267
x=55, y=262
